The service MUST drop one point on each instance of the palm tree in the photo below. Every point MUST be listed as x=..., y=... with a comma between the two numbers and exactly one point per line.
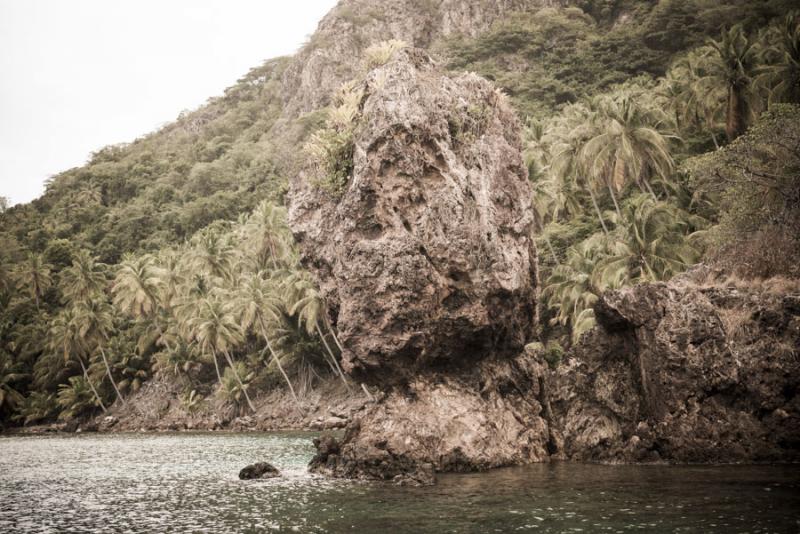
x=306, y=303
x=133, y=368
x=35, y=274
x=37, y=405
x=136, y=290
x=565, y=164
x=781, y=74
x=627, y=147
x=94, y=322
x=652, y=243
x=732, y=67
x=214, y=255
x=10, y=373
x=63, y=338
x=84, y=279
x=75, y=397
x=233, y=386
x=696, y=104
x=216, y=331
x=574, y=286
x=266, y=228
x=169, y=270
x=6, y=277
x=255, y=305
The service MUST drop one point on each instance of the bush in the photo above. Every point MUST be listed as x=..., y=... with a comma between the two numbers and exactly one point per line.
x=379, y=54
x=756, y=183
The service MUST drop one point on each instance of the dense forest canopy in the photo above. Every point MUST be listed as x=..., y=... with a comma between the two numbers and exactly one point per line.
x=658, y=135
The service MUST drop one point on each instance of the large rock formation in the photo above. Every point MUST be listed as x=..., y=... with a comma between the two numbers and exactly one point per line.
x=426, y=259
x=684, y=372
x=427, y=263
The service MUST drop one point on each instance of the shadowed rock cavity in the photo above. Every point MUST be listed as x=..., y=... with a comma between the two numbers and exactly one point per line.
x=428, y=267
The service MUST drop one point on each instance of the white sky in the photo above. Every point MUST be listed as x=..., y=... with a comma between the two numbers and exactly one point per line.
x=77, y=75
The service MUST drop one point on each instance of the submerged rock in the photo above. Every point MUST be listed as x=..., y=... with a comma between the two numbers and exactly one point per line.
x=259, y=470
x=683, y=372
x=428, y=266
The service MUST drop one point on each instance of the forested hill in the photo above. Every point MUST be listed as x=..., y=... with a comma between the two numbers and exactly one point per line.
x=125, y=268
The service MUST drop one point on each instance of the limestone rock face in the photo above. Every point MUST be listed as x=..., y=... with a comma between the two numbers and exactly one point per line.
x=426, y=259
x=428, y=266
x=331, y=56
x=683, y=372
x=478, y=419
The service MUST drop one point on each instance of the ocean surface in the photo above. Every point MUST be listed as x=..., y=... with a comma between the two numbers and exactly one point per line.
x=189, y=483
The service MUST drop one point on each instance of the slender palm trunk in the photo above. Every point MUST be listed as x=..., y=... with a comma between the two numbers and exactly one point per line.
x=333, y=334
x=161, y=335
x=272, y=254
x=734, y=123
x=614, y=198
x=110, y=377
x=333, y=358
x=646, y=183
x=597, y=209
x=238, y=379
x=649, y=269
x=714, y=138
x=278, y=362
x=88, y=381
x=216, y=367
x=552, y=250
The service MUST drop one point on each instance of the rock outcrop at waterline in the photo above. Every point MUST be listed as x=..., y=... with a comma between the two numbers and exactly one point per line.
x=682, y=372
x=428, y=266
x=426, y=261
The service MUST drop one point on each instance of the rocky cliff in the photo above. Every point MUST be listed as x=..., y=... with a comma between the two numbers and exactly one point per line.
x=426, y=260
x=327, y=60
x=686, y=371
x=424, y=255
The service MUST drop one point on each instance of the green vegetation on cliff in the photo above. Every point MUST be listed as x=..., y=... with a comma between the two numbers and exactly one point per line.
x=658, y=134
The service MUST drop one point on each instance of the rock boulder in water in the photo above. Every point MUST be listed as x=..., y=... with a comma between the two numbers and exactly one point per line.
x=259, y=470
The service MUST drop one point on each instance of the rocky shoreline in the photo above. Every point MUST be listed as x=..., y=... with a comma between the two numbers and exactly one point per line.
x=697, y=370
x=157, y=408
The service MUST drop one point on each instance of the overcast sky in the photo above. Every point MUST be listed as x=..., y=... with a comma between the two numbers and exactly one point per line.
x=77, y=75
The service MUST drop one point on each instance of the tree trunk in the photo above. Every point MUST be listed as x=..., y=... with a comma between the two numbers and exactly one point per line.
x=110, y=377
x=238, y=379
x=161, y=335
x=333, y=358
x=278, y=362
x=614, y=198
x=88, y=381
x=216, y=367
x=333, y=334
x=734, y=123
x=650, y=189
x=714, y=138
x=597, y=209
x=550, y=246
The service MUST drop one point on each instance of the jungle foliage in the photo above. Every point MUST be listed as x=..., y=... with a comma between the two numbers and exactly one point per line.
x=657, y=134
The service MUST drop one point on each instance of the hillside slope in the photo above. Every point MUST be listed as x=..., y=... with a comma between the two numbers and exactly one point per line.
x=170, y=258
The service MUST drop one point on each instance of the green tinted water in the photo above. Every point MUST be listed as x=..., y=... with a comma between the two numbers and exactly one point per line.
x=188, y=483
